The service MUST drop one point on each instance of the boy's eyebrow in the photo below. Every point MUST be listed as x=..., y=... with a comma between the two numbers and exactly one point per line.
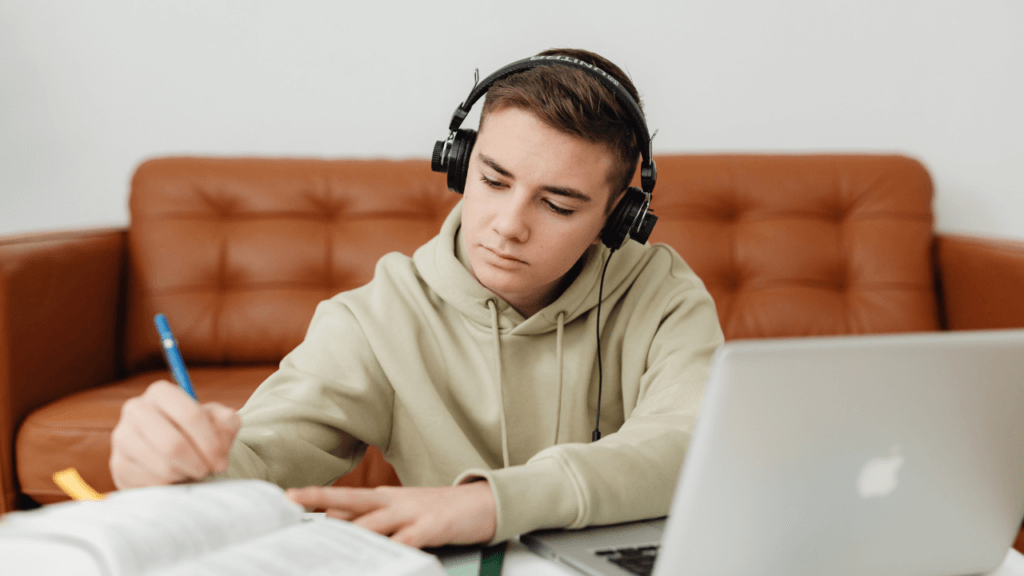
x=559, y=190
x=495, y=166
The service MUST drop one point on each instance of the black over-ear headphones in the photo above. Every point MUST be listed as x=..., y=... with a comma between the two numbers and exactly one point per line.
x=630, y=219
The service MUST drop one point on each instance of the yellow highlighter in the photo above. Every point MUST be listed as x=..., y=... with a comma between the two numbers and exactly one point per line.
x=71, y=482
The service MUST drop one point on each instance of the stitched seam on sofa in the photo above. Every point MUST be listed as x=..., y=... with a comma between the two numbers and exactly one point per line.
x=185, y=216
x=241, y=287
x=853, y=286
x=55, y=429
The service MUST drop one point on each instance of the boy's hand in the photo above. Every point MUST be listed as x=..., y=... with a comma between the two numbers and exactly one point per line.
x=164, y=436
x=419, y=517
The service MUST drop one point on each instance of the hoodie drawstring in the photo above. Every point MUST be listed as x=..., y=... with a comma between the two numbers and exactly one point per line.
x=558, y=390
x=501, y=386
x=501, y=381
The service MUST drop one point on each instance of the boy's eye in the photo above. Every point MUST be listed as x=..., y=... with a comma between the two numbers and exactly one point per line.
x=491, y=183
x=496, y=184
x=558, y=210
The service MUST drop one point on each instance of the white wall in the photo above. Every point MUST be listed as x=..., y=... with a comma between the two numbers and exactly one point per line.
x=89, y=89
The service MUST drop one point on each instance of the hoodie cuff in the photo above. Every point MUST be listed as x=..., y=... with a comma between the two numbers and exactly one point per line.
x=529, y=497
x=242, y=463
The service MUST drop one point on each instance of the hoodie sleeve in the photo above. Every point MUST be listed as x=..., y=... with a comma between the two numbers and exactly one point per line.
x=310, y=421
x=631, y=473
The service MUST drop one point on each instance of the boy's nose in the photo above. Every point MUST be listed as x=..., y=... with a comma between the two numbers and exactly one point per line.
x=511, y=221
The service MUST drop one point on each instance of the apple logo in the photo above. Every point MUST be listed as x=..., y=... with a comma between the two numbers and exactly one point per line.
x=878, y=477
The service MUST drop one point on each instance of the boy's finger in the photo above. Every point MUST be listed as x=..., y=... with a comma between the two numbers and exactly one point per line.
x=144, y=435
x=169, y=452
x=189, y=418
x=227, y=423
x=226, y=418
x=419, y=535
x=128, y=473
x=385, y=520
x=354, y=500
x=339, y=514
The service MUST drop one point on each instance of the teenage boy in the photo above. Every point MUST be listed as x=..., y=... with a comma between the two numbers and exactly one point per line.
x=473, y=365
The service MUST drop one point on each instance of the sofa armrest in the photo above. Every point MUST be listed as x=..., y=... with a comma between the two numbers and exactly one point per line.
x=60, y=301
x=981, y=282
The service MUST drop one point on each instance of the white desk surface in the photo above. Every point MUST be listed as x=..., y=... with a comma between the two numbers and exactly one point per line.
x=519, y=561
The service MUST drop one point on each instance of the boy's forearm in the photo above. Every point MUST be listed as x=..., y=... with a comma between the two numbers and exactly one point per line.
x=578, y=485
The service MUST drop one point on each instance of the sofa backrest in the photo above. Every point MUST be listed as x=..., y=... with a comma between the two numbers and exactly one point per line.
x=238, y=252
x=804, y=245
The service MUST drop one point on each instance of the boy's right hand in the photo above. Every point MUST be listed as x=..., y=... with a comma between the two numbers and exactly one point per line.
x=164, y=437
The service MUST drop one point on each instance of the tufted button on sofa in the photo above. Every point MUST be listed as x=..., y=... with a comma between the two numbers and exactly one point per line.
x=237, y=253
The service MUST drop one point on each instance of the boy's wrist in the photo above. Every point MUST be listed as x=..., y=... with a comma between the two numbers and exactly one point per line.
x=481, y=506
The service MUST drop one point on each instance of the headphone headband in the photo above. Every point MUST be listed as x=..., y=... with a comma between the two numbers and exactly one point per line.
x=630, y=219
x=648, y=169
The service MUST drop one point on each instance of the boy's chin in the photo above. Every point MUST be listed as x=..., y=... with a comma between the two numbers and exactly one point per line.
x=500, y=282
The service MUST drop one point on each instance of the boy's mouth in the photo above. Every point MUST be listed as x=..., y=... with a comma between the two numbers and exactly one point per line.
x=503, y=257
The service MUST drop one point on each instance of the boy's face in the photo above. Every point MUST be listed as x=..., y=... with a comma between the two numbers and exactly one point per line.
x=535, y=199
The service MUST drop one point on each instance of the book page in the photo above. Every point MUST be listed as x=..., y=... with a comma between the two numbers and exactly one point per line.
x=134, y=531
x=24, y=557
x=324, y=547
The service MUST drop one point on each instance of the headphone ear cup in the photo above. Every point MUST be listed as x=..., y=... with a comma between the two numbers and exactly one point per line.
x=617, y=229
x=458, y=159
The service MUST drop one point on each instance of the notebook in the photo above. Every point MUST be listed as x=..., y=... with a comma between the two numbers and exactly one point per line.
x=866, y=455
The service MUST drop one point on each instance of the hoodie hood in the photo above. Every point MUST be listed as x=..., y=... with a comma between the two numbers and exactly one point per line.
x=443, y=264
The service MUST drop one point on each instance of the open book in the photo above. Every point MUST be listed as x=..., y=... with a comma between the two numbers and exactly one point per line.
x=243, y=527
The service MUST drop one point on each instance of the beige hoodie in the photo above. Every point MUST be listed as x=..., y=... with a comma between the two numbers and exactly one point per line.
x=452, y=384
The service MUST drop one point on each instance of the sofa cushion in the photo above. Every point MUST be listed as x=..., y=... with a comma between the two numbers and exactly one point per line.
x=804, y=245
x=75, y=430
x=238, y=252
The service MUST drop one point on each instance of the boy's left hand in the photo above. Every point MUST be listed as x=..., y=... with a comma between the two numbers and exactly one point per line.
x=419, y=517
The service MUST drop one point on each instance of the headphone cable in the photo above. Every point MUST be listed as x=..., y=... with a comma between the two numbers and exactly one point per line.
x=596, y=434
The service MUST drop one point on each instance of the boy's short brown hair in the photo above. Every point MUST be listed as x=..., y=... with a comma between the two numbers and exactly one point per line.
x=574, y=102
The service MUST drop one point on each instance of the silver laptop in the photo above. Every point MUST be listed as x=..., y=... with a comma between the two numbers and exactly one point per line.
x=866, y=455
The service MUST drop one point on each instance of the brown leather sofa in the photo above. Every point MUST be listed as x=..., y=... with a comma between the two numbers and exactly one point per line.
x=237, y=253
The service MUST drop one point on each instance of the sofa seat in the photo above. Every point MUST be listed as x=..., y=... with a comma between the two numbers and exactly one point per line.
x=81, y=424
